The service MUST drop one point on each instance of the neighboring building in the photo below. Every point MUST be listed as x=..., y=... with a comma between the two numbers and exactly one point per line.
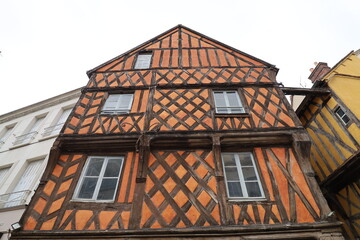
x=180, y=137
x=26, y=136
x=332, y=121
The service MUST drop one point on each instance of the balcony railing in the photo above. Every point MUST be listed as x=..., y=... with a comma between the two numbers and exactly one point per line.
x=14, y=199
x=52, y=130
x=25, y=138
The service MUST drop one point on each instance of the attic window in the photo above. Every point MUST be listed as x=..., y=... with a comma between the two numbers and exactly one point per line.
x=342, y=115
x=143, y=61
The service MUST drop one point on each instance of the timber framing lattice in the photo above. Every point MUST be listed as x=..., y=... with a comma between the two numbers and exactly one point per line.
x=173, y=183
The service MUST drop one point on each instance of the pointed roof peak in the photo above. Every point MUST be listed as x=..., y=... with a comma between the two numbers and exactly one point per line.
x=179, y=32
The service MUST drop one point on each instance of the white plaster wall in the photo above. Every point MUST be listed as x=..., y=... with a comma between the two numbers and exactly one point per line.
x=18, y=156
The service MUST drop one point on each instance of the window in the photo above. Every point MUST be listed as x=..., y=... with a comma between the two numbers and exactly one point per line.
x=3, y=172
x=242, y=179
x=55, y=129
x=228, y=102
x=5, y=134
x=118, y=103
x=99, y=179
x=342, y=115
x=143, y=61
x=23, y=187
x=31, y=133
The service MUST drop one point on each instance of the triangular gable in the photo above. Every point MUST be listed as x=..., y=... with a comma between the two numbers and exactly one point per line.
x=181, y=47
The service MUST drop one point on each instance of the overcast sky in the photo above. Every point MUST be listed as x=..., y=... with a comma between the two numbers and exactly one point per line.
x=47, y=46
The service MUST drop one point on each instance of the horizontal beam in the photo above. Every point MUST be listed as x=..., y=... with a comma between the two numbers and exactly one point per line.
x=304, y=91
x=347, y=173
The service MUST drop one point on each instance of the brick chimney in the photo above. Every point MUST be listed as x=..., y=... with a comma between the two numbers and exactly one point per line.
x=320, y=70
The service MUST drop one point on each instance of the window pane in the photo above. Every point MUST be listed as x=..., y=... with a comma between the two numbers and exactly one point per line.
x=233, y=100
x=340, y=112
x=229, y=159
x=237, y=110
x=124, y=101
x=219, y=99
x=94, y=167
x=253, y=189
x=107, y=189
x=87, y=188
x=249, y=173
x=346, y=119
x=113, y=168
x=222, y=110
x=232, y=173
x=234, y=189
x=143, y=61
x=245, y=159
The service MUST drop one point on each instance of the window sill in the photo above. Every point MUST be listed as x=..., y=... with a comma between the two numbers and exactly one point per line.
x=232, y=115
x=91, y=201
x=247, y=200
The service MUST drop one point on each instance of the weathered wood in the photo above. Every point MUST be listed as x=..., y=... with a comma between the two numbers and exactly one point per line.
x=305, y=91
x=345, y=174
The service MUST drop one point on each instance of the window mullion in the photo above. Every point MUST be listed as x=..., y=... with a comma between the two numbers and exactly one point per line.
x=101, y=175
x=241, y=176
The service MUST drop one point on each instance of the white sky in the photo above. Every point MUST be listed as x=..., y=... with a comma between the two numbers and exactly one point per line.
x=47, y=46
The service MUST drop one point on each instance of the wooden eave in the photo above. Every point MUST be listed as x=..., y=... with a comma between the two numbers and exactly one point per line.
x=262, y=231
x=304, y=104
x=91, y=71
x=347, y=173
x=176, y=140
x=324, y=78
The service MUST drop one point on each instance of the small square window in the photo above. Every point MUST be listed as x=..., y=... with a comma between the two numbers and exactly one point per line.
x=342, y=115
x=228, y=102
x=118, y=103
x=143, y=61
x=241, y=175
x=99, y=179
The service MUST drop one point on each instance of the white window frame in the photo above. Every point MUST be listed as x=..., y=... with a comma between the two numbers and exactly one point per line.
x=99, y=181
x=143, y=61
x=228, y=107
x=6, y=172
x=6, y=133
x=241, y=177
x=344, y=115
x=118, y=109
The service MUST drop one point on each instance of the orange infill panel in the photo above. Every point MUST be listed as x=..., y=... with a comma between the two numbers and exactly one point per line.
x=48, y=225
x=40, y=205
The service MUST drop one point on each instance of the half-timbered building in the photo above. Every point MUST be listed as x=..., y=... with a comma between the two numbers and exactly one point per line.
x=180, y=137
x=332, y=121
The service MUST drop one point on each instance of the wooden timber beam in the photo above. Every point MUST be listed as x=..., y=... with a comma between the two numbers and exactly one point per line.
x=254, y=232
x=344, y=175
x=304, y=91
x=175, y=140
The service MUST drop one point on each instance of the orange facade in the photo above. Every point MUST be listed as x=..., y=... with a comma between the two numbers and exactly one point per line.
x=169, y=137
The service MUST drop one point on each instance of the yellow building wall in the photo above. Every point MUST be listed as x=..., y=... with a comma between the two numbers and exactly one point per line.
x=347, y=89
x=333, y=142
x=349, y=66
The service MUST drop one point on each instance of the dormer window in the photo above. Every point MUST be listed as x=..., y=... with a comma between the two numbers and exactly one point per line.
x=118, y=103
x=143, y=61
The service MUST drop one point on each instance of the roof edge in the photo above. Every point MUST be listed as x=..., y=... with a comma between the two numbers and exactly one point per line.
x=336, y=65
x=89, y=72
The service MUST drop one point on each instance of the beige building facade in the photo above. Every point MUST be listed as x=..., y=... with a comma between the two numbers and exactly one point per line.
x=26, y=136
